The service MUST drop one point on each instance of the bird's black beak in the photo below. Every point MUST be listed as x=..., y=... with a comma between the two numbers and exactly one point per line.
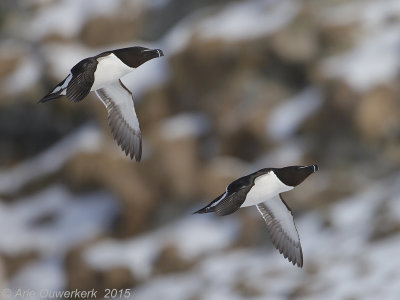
x=153, y=53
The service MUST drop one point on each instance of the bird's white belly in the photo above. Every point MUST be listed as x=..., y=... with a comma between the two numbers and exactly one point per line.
x=109, y=69
x=265, y=187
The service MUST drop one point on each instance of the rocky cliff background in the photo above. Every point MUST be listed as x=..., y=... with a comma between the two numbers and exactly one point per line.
x=243, y=85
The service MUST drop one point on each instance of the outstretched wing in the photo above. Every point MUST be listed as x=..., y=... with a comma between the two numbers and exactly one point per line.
x=282, y=229
x=82, y=79
x=122, y=118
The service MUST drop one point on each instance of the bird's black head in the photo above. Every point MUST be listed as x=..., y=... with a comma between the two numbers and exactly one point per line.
x=136, y=56
x=294, y=175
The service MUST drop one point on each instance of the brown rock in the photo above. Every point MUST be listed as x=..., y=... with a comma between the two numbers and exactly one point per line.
x=56, y=37
x=212, y=65
x=178, y=162
x=377, y=115
x=117, y=277
x=342, y=99
x=170, y=261
x=218, y=173
x=8, y=65
x=14, y=263
x=153, y=107
x=125, y=179
x=337, y=38
x=296, y=46
x=298, y=42
x=247, y=290
x=79, y=273
x=110, y=30
x=385, y=223
x=83, y=277
x=253, y=231
x=244, y=105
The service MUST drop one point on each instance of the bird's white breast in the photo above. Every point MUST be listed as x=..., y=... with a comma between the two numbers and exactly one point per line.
x=109, y=69
x=265, y=187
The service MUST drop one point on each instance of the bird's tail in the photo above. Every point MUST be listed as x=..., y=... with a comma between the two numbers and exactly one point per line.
x=57, y=92
x=49, y=97
x=204, y=210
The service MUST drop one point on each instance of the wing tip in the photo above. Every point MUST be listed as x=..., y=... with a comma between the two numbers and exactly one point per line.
x=137, y=157
x=132, y=146
x=292, y=252
x=297, y=259
x=287, y=246
x=49, y=97
x=204, y=210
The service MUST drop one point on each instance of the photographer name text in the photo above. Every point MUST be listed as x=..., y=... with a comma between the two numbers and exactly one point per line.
x=66, y=294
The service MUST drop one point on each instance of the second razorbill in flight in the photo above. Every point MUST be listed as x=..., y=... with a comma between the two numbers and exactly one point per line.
x=263, y=189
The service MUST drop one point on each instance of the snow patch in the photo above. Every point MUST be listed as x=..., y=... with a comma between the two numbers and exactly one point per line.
x=290, y=153
x=44, y=275
x=185, y=125
x=77, y=218
x=26, y=75
x=287, y=118
x=237, y=21
x=67, y=17
x=192, y=236
x=249, y=19
x=372, y=62
x=85, y=139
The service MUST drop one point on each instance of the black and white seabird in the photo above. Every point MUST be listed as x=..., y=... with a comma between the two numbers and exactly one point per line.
x=263, y=189
x=102, y=73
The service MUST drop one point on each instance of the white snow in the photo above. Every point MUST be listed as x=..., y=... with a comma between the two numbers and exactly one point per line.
x=238, y=21
x=175, y=287
x=137, y=254
x=289, y=153
x=45, y=275
x=85, y=139
x=249, y=19
x=371, y=14
x=61, y=58
x=372, y=62
x=185, y=125
x=67, y=17
x=287, y=118
x=193, y=236
x=77, y=218
x=375, y=58
x=25, y=76
x=177, y=38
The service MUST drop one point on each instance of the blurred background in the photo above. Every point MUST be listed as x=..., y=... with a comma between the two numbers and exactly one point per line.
x=243, y=85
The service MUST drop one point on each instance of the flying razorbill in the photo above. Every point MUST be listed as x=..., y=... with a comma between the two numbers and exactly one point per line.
x=102, y=73
x=263, y=189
